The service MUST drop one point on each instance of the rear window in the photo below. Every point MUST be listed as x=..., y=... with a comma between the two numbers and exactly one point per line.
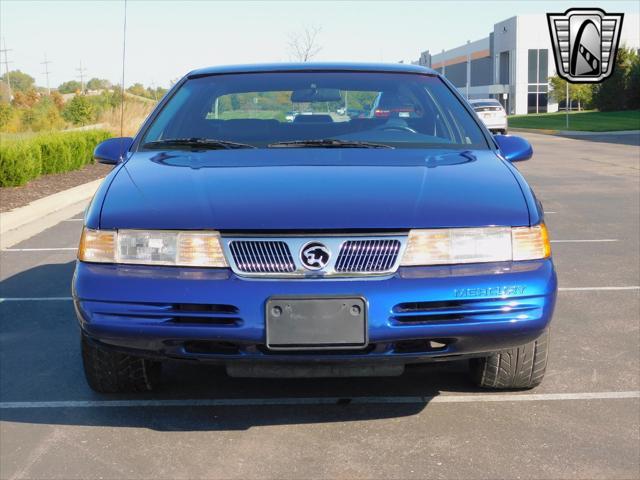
x=494, y=103
x=260, y=109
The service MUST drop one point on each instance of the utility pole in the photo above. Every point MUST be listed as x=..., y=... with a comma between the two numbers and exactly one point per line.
x=81, y=71
x=6, y=62
x=46, y=72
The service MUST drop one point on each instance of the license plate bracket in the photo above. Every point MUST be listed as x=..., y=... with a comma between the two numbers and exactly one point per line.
x=316, y=323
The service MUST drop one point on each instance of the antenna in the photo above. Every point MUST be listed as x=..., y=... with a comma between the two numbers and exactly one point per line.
x=124, y=49
x=46, y=72
x=81, y=71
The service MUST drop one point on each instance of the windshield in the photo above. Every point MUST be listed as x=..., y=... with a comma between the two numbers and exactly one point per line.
x=316, y=109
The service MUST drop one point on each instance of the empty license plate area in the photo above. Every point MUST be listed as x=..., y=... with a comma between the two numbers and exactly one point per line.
x=295, y=323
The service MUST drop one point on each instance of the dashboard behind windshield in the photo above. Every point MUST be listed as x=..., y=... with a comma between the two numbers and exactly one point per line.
x=399, y=110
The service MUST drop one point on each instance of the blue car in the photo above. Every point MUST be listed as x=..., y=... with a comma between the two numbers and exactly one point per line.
x=330, y=245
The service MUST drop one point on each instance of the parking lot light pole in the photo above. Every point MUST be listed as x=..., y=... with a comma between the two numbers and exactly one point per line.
x=566, y=107
x=468, y=68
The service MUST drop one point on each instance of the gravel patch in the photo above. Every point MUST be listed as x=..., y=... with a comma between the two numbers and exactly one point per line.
x=13, y=197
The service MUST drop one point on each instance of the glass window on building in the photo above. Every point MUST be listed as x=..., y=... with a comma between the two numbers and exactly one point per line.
x=543, y=64
x=504, y=68
x=537, y=79
x=532, y=76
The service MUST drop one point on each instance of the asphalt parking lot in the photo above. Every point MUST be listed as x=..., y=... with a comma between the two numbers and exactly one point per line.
x=582, y=422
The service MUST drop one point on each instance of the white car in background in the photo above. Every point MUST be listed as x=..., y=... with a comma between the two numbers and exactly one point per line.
x=491, y=113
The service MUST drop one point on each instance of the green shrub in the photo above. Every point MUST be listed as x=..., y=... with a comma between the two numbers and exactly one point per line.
x=19, y=162
x=55, y=153
x=24, y=159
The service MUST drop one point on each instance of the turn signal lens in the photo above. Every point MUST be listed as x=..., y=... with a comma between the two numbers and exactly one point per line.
x=200, y=249
x=427, y=247
x=530, y=243
x=97, y=246
x=152, y=247
x=476, y=245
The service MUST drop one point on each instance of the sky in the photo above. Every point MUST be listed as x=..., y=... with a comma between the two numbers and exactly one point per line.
x=166, y=39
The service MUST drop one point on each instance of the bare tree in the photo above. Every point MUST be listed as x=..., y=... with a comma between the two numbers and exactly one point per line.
x=304, y=46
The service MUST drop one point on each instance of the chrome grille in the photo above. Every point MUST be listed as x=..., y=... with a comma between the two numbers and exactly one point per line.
x=367, y=256
x=262, y=256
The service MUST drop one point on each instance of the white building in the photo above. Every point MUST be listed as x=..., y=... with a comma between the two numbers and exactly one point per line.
x=512, y=64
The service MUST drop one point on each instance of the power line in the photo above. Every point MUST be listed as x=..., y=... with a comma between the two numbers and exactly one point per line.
x=81, y=71
x=46, y=72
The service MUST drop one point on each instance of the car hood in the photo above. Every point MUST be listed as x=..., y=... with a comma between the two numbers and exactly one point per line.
x=313, y=189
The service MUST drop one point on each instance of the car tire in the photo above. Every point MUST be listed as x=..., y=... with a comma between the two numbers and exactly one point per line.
x=517, y=368
x=108, y=371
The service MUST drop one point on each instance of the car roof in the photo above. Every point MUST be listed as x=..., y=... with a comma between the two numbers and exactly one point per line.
x=313, y=67
x=489, y=100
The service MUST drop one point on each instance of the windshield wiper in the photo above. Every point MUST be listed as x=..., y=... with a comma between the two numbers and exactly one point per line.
x=327, y=143
x=203, y=143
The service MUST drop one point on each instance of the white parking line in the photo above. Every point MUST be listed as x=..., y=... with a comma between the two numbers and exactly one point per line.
x=74, y=220
x=588, y=289
x=35, y=299
x=288, y=401
x=53, y=249
x=595, y=240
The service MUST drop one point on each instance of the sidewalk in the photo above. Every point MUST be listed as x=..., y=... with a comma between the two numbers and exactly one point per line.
x=24, y=222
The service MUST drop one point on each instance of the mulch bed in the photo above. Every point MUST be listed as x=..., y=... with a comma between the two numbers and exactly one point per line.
x=13, y=197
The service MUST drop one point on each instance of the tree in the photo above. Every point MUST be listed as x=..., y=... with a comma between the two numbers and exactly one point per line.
x=20, y=82
x=72, y=86
x=633, y=84
x=612, y=93
x=158, y=93
x=25, y=99
x=98, y=84
x=580, y=92
x=137, y=89
x=78, y=111
x=57, y=99
x=5, y=95
x=304, y=46
x=7, y=113
x=43, y=116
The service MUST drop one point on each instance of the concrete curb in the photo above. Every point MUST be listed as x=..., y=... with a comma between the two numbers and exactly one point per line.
x=573, y=133
x=24, y=222
x=541, y=131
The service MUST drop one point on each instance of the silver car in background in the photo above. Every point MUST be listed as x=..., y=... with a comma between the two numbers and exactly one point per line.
x=491, y=113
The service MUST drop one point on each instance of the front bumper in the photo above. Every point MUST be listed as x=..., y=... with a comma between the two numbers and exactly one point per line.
x=417, y=314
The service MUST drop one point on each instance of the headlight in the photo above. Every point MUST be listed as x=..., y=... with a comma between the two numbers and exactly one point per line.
x=193, y=249
x=476, y=245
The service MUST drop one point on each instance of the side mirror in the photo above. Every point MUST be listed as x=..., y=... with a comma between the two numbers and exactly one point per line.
x=112, y=151
x=514, y=149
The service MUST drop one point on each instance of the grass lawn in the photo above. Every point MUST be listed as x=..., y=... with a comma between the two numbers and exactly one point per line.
x=583, y=121
x=256, y=114
x=16, y=136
